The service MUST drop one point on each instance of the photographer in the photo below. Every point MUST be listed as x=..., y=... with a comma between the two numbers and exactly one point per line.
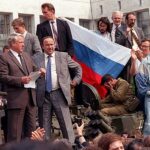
x=81, y=141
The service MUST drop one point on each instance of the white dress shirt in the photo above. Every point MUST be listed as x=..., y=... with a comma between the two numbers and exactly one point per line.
x=16, y=55
x=55, y=84
x=113, y=32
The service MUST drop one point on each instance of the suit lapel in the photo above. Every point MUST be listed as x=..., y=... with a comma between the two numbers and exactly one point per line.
x=27, y=63
x=14, y=59
x=42, y=64
x=48, y=28
x=59, y=26
x=129, y=38
x=137, y=33
x=57, y=61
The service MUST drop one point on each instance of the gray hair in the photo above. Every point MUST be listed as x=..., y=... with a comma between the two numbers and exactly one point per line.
x=117, y=12
x=13, y=38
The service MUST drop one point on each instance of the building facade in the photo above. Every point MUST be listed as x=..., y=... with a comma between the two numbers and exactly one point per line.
x=83, y=12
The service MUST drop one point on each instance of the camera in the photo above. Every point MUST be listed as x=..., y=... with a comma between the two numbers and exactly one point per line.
x=77, y=119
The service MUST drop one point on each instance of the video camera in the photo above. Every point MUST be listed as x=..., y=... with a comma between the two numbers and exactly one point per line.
x=77, y=119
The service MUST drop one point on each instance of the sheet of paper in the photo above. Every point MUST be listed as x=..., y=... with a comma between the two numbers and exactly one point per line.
x=34, y=76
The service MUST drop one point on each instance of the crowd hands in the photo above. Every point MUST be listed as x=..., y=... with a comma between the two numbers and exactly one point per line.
x=106, y=141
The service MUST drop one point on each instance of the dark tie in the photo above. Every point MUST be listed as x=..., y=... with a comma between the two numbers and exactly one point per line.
x=48, y=75
x=117, y=33
x=23, y=64
x=55, y=34
x=134, y=36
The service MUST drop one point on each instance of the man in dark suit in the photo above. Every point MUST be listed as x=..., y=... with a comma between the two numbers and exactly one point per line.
x=31, y=42
x=15, y=67
x=118, y=34
x=56, y=28
x=118, y=29
x=55, y=93
x=134, y=34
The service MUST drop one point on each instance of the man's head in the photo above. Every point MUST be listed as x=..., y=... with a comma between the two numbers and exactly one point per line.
x=48, y=11
x=18, y=25
x=117, y=17
x=103, y=25
x=130, y=19
x=108, y=80
x=5, y=48
x=16, y=42
x=145, y=47
x=48, y=45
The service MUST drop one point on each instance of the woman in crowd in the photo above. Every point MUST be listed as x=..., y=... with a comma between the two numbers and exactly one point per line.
x=110, y=141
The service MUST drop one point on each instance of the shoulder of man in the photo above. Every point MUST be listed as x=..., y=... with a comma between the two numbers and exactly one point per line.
x=38, y=56
x=62, y=21
x=4, y=55
x=138, y=29
x=26, y=55
x=31, y=36
x=123, y=26
x=120, y=80
x=43, y=23
x=61, y=53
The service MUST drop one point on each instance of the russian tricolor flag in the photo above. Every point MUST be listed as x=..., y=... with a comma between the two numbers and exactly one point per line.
x=97, y=56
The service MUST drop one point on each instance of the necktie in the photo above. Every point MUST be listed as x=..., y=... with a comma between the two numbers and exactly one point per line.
x=55, y=34
x=117, y=33
x=48, y=75
x=23, y=64
x=134, y=37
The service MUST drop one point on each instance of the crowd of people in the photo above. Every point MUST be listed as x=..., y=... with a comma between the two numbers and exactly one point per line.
x=39, y=72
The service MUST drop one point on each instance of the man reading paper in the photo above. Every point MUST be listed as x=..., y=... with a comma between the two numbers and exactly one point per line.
x=15, y=67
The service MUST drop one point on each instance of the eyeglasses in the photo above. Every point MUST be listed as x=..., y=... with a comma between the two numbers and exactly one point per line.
x=144, y=46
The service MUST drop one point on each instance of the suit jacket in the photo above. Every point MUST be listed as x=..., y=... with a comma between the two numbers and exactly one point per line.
x=63, y=63
x=120, y=37
x=10, y=74
x=65, y=41
x=31, y=44
x=139, y=33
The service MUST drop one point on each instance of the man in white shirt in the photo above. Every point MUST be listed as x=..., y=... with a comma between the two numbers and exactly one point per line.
x=53, y=90
x=118, y=28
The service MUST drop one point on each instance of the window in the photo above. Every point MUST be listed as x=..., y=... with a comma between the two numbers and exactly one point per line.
x=119, y=5
x=140, y=2
x=84, y=23
x=28, y=21
x=101, y=9
x=4, y=25
x=143, y=22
